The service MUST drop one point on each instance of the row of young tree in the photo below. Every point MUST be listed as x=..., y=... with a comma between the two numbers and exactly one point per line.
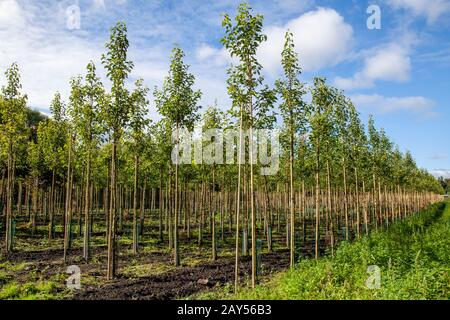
x=100, y=162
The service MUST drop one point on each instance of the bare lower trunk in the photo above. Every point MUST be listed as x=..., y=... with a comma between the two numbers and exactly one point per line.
x=238, y=208
x=112, y=245
x=87, y=215
x=135, y=203
x=176, y=212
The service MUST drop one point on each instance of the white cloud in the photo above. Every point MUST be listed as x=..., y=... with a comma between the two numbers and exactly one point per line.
x=99, y=4
x=210, y=73
x=11, y=15
x=322, y=38
x=49, y=54
x=441, y=173
x=207, y=54
x=391, y=63
x=380, y=104
x=431, y=9
x=388, y=63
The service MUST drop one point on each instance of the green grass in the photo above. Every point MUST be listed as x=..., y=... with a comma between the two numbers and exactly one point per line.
x=14, y=286
x=41, y=290
x=413, y=256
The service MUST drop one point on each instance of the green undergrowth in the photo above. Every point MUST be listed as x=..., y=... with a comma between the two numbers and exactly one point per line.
x=413, y=257
x=20, y=281
x=35, y=290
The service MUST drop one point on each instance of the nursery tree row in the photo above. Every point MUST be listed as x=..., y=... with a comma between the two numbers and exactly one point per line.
x=101, y=162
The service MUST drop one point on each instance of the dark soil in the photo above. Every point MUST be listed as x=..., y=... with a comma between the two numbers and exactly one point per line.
x=178, y=283
x=183, y=282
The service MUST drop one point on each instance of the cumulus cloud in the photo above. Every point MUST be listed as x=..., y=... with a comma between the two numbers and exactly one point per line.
x=376, y=103
x=387, y=63
x=99, y=4
x=210, y=71
x=11, y=15
x=47, y=52
x=35, y=35
x=441, y=173
x=322, y=38
x=209, y=54
x=431, y=9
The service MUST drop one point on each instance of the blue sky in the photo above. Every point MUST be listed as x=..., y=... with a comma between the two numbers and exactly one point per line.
x=400, y=73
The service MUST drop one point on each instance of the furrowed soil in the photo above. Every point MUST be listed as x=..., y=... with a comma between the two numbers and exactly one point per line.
x=149, y=274
x=184, y=281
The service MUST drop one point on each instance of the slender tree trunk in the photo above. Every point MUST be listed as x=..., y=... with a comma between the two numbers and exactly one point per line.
x=68, y=213
x=357, y=204
x=9, y=187
x=51, y=207
x=213, y=217
x=19, y=199
x=329, y=208
x=27, y=199
x=112, y=245
x=35, y=205
x=135, y=203
x=142, y=211
x=253, y=212
x=269, y=216
x=317, y=207
x=375, y=203
x=292, y=195
x=170, y=208
x=161, y=204
x=345, y=201
x=238, y=208
x=175, y=235
x=365, y=204
x=222, y=207
x=202, y=214
x=87, y=208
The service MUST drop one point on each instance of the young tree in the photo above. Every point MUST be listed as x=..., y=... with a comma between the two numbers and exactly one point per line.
x=322, y=101
x=358, y=157
x=242, y=39
x=51, y=137
x=33, y=162
x=341, y=121
x=212, y=120
x=293, y=111
x=116, y=115
x=138, y=123
x=13, y=132
x=88, y=128
x=236, y=92
x=70, y=117
x=177, y=102
x=160, y=133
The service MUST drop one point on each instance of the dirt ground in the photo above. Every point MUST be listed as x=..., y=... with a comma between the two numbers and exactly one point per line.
x=184, y=281
x=150, y=273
